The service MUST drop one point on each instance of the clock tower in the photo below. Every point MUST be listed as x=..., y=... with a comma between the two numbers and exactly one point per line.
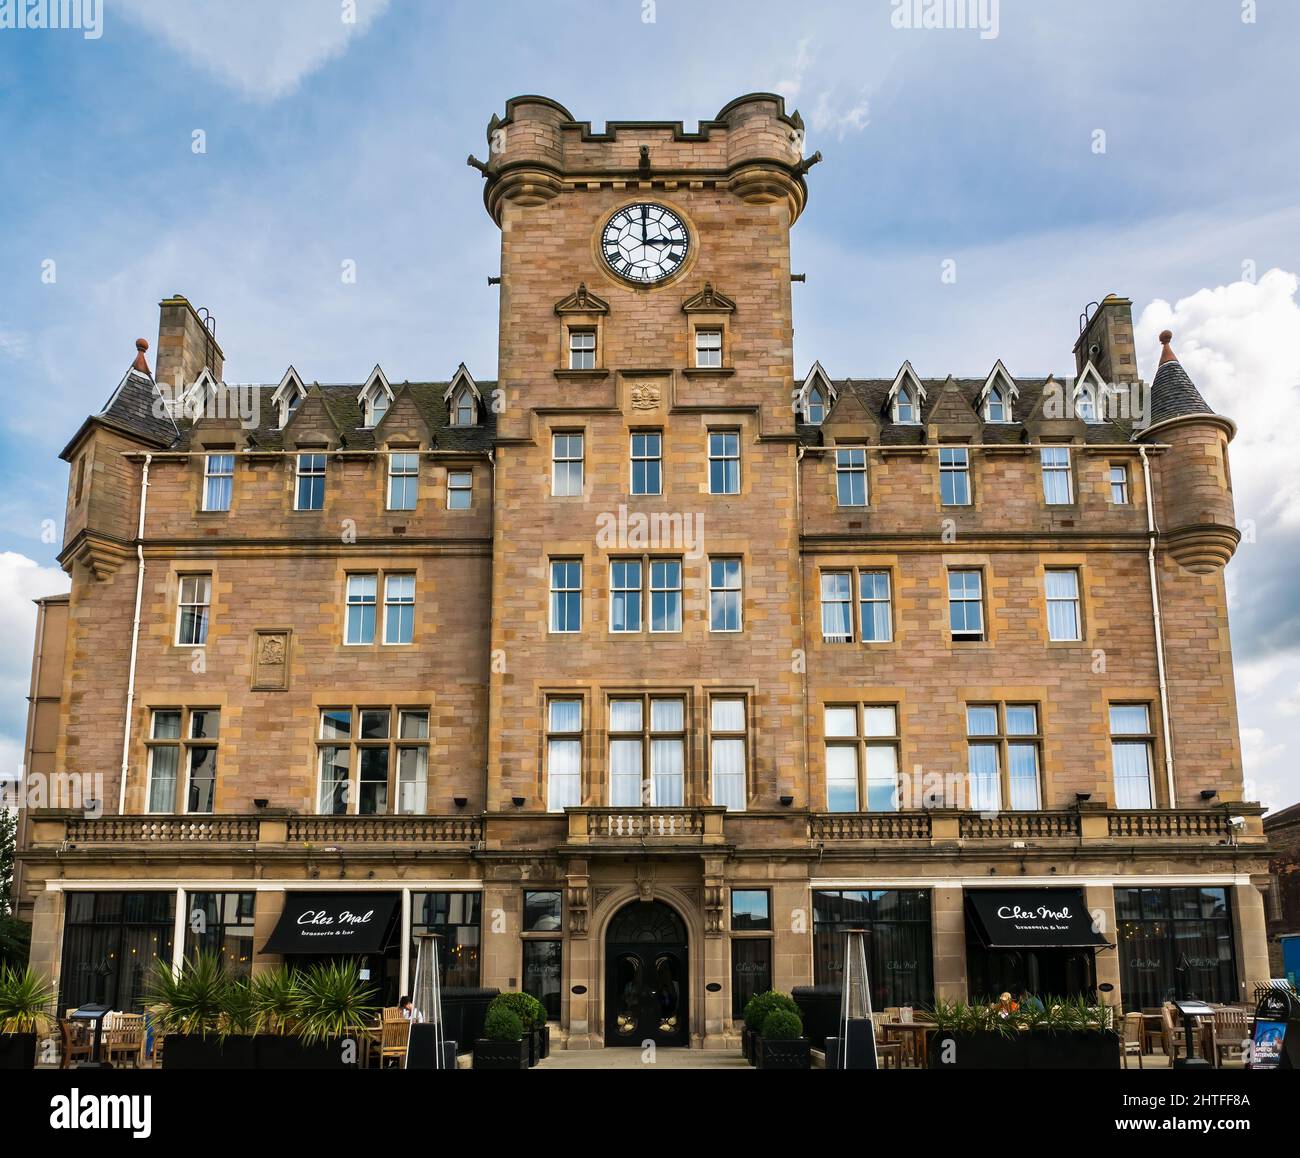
x=645, y=603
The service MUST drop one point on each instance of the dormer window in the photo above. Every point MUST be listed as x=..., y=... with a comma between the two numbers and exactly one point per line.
x=462, y=408
x=290, y=407
x=905, y=408
x=376, y=408
x=1085, y=404
x=288, y=396
x=995, y=406
x=815, y=409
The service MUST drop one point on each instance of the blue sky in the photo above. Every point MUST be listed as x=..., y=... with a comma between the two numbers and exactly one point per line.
x=329, y=141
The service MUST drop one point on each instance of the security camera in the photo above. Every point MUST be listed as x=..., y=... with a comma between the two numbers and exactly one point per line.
x=1237, y=822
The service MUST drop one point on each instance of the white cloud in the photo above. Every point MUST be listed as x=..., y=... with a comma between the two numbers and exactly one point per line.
x=793, y=85
x=13, y=344
x=21, y=580
x=837, y=110
x=263, y=50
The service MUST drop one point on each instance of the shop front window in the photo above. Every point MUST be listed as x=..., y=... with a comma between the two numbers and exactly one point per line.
x=1175, y=943
x=221, y=924
x=111, y=942
x=899, y=947
x=457, y=919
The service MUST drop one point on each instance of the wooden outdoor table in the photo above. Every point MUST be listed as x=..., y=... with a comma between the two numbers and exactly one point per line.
x=918, y=1031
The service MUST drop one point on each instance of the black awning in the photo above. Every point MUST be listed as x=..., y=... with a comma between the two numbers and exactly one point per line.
x=1033, y=919
x=334, y=923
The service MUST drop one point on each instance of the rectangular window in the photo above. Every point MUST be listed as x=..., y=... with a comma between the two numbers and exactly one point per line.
x=221, y=925
x=899, y=941
x=873, y=746
x=1175, y=941
x=875, y=607
x=218, y=481
x=724, y=462
x=851, y=476
x=665, y=595
x=966, y=605
x=1131, y=744
x=582, y=349
x=751, y=911
x=457, y=921
x=1063, y=620
x=837, y=606
x=751, y=970
x=1003, y=761
x=359, y=624
x=954, y=476
x=1058, y=490
x=183, y=740
x=625, y=595
x=566, y=464
x=566, y=595
x=310, y=492
x=460, y=490
x=708, y=349
x=399, y=608
x=563, y=754
x=727, y=744
x=726, y=594
x=403, y=481
x=193, y=607
x=112, y=942
x=360, y=743
x=1119, y=484
x=647, y=767
x=543, y=963
x=647, y=463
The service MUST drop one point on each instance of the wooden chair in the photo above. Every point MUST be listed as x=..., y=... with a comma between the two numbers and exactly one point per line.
x=1231, y=1029
x=75, y=1043
x=1173, y=1036
x=394, y=1035
x=1134, y=1039
x=123, y=1038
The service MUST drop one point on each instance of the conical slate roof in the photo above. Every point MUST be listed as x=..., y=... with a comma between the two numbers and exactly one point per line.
x=1173, y=393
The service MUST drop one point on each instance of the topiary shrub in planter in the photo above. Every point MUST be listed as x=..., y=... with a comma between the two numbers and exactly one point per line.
x=502, y=1046
x=782, y=1045
x=532, y=1016
x=24, y=998
x=756, y=1010
x=1034, y=1033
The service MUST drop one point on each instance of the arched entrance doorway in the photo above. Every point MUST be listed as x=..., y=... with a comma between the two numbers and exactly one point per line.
x=645, y=976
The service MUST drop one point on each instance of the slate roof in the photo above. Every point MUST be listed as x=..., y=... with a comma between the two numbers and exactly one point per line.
x=1173, y=394
x=132, y=409
x=873, y=393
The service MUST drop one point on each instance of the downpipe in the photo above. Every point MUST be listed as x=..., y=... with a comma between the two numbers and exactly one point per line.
x=135, y=637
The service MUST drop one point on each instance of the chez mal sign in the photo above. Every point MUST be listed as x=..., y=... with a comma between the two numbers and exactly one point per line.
x=1026, y=918
x=322, y=924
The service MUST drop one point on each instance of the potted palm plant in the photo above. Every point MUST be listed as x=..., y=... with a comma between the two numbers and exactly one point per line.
x=192, y=1007
x=25, y=998
x=502, y=1046
x=334, y=1015
x=782, y=1045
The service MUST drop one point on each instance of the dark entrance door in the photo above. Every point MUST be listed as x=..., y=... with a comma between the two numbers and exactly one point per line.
x=645, y=976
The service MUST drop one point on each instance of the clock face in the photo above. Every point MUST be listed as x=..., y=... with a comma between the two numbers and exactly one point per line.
x=644, y=243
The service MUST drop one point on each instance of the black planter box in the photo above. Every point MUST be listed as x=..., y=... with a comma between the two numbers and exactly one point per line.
x=291, y=1053
x=17, y=1051
x=784, y=1055
x=501, y=1055
x=194, y=1051
x=819, y=1010
x=1033, y=1050
x=545, y=1039
x=749, y=1045
x=533, y=1039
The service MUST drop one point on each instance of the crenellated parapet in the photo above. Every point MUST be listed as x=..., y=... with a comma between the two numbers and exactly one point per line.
x=753, y=148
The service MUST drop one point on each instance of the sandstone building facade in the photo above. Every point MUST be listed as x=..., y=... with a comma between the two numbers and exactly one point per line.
x=645, y=670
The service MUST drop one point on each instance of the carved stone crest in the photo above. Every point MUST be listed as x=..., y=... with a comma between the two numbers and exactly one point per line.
x=645, y=397
x=271, y=660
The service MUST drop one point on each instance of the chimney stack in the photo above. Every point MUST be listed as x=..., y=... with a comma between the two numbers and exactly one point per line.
x=1106, y=340
x=187, y=343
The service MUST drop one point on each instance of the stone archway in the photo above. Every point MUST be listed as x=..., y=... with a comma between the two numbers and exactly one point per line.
x=647, y=976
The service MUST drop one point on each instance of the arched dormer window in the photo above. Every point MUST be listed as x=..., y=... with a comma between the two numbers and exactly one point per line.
x=463, y=410
x=815, y=408
x=375, y=398
x=995, y=406
x=905, y=407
